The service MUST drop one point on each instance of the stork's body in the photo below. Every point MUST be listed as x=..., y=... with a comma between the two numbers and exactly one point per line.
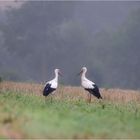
x=52, y=85
x=90, y=86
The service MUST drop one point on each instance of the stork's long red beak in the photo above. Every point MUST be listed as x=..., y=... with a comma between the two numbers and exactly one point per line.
x=60, y=73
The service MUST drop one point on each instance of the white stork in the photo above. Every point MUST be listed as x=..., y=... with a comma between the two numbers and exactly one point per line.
x=88, y=85
x=52, y=85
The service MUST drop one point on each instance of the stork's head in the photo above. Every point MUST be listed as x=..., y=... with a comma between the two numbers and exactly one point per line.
x=83, y=70
x=57, y=71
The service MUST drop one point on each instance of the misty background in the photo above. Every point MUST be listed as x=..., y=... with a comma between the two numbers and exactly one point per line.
x=38, y=36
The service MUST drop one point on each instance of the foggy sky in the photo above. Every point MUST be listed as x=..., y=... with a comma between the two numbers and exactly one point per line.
x=94, y=15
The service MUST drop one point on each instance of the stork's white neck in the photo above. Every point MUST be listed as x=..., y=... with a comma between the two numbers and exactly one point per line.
x=83, y=76
x=56, y=76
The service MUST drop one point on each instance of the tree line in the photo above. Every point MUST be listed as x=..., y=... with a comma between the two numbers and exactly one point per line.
x=40, y=36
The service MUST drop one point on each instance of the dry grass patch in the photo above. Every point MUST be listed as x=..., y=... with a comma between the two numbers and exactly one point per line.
x=73, y=93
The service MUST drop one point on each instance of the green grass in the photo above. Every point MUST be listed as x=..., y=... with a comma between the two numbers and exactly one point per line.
x=30, y=116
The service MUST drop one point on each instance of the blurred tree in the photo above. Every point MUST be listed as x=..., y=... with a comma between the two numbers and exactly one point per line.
x=27, y=29
x=39, y=36
x=118, y=54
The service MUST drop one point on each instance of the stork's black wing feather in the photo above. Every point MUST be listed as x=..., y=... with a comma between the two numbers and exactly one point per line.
x=47, y=90
x=95, y=91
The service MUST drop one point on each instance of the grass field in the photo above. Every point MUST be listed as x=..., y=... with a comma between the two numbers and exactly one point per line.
x=24, y=113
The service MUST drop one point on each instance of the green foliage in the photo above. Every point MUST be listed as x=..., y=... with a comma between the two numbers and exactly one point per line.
x=36, y=118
